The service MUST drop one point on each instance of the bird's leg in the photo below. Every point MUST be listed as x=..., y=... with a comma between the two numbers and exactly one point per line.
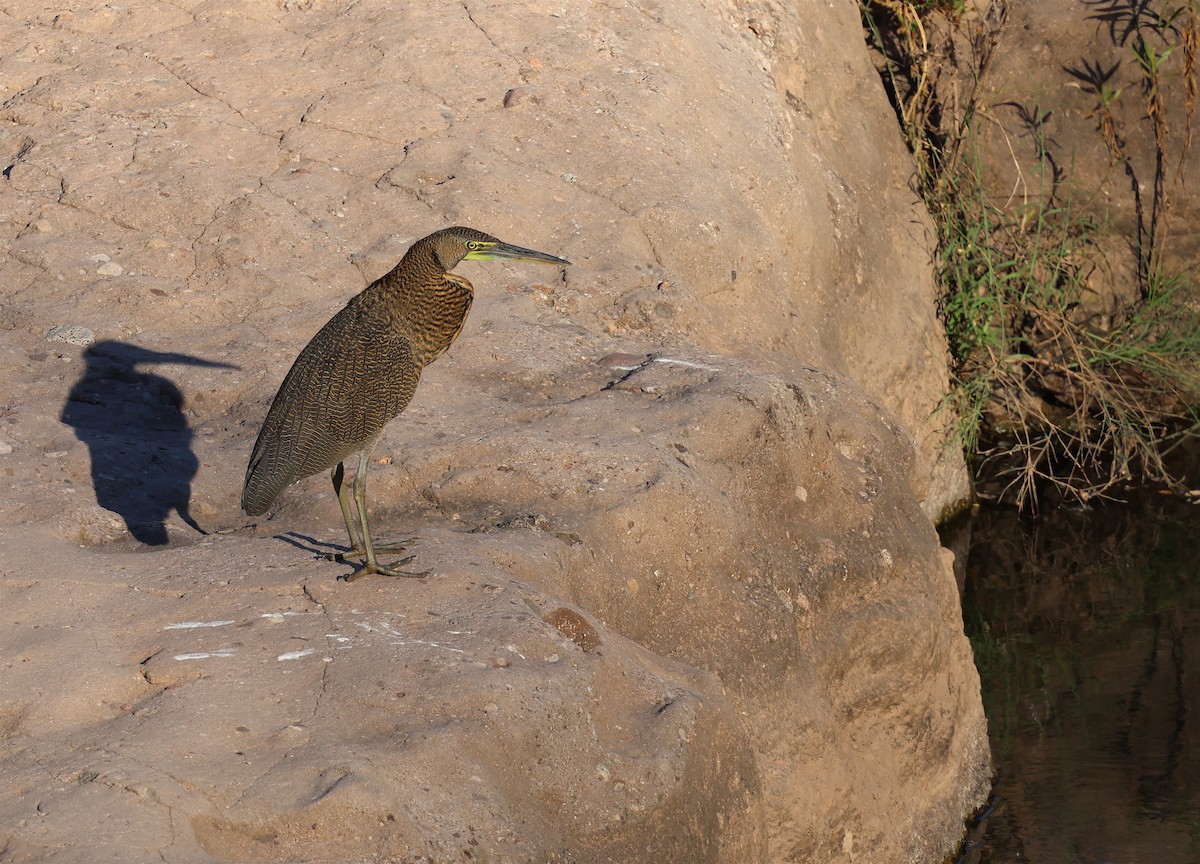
x=338, y=475
x=371, y=565
x=357, y=548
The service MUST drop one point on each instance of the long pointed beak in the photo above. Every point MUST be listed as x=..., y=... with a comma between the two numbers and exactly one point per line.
x=506, y=251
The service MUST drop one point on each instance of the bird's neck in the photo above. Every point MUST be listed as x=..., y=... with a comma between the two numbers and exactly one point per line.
x=428, y=305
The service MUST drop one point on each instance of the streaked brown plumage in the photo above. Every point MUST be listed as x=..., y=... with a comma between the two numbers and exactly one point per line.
x=361, y=370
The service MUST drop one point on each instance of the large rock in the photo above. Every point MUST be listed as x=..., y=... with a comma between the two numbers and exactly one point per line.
x=687, y=602
x=235, y=713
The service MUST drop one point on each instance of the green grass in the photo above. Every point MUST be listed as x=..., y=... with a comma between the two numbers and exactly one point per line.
x=1055, y=389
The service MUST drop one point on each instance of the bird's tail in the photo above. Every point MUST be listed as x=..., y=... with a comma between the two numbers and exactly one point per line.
x=262, y=485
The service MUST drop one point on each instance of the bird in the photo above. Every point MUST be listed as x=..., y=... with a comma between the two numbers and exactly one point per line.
x=360, y=371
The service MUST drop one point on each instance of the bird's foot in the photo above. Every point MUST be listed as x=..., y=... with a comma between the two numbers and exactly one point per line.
x=341, y=557
x=386, y=569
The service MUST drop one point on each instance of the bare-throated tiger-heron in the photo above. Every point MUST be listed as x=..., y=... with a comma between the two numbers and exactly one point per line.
x=360, y=371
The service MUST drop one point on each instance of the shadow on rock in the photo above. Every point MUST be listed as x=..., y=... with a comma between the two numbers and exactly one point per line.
x=133, y=424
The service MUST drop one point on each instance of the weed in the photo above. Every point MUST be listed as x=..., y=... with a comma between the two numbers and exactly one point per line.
x=1153, y=31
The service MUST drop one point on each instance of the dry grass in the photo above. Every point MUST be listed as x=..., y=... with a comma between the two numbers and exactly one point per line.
x=1053, y=398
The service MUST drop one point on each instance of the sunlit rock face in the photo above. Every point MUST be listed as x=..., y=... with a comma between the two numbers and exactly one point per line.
x=685, y=600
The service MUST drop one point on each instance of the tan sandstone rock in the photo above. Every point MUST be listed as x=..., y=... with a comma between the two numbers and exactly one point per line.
x=687, y=603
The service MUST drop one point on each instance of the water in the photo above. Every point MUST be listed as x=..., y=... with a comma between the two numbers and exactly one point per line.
x=1086, y=630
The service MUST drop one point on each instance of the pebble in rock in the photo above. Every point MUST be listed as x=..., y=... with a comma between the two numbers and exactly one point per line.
x=108, y=267
x=72, y=334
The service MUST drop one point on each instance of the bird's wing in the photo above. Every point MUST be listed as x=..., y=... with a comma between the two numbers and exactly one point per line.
x=355, y=375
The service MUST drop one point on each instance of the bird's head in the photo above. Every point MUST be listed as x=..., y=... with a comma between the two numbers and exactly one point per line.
x=456, y=244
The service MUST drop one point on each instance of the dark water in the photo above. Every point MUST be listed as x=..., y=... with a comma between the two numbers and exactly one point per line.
x=1086, y=630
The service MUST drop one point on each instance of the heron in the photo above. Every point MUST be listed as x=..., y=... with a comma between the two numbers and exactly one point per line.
x=360, y=371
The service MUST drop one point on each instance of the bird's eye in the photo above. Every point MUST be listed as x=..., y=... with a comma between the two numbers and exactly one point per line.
x=472, y=244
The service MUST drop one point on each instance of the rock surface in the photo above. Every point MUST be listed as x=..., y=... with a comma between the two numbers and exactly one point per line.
x=686, y=603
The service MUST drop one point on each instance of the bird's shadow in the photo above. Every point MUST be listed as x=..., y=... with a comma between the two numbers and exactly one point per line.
x=133, y=424
x=319, y=548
